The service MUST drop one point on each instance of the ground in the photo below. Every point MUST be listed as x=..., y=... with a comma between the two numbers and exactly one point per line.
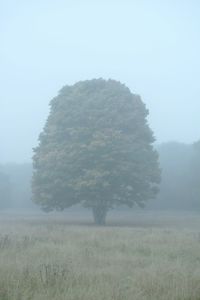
x=137, y=256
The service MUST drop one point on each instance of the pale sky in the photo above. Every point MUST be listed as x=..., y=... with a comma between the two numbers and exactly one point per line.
x=151, y=46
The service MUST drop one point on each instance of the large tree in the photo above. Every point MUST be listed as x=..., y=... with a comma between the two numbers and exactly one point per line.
x=96, y=149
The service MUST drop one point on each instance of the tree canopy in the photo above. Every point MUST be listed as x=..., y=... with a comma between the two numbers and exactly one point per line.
x=96, y=149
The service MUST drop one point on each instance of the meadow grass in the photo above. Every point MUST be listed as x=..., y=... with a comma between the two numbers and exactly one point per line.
x=147, y=257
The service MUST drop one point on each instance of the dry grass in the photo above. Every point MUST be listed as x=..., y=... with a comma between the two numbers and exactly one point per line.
x=158, y=257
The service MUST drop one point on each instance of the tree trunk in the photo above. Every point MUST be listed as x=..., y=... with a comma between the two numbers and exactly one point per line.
x=99, y=214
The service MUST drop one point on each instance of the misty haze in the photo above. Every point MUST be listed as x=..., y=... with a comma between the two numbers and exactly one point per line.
x=100, y=150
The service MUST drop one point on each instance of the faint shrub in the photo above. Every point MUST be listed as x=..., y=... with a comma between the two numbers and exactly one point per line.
x=5, y=241
x=50, y=274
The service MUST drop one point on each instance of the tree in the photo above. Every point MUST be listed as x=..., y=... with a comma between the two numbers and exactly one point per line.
x=96, y=149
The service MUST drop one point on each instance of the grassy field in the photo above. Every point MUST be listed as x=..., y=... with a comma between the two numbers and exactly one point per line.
x=54, y=257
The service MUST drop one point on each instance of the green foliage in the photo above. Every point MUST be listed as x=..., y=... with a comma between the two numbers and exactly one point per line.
x=96, y=149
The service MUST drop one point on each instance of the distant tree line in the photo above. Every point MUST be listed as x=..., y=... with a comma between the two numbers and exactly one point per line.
x=179, y=189
x=15, y=186
x=5, y=190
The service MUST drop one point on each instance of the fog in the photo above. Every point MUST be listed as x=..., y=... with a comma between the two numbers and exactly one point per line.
x=151, y=46
x=98, y=199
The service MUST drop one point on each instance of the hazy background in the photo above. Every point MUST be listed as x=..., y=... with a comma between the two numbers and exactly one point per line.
x=151, y=46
